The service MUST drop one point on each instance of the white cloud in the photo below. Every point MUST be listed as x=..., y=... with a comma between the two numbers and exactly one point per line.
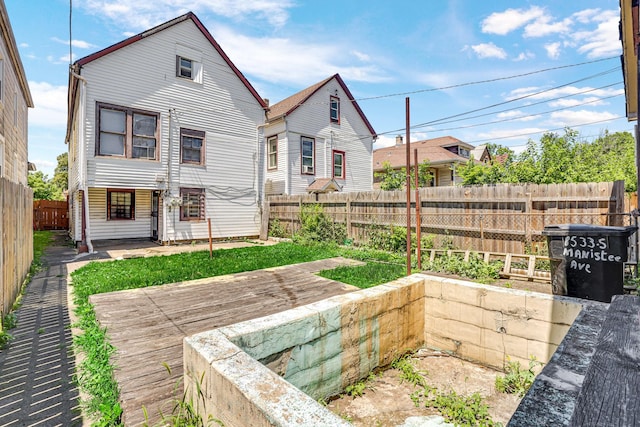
x=24, y=45
x=80, y=44
x=50, y=105
x=563, y=91
x=509, y=134
x=572, y=102
x=509, y=114
x=544, y=27
x=603, y=40
x=580, y=117
x=144, y=14
x=502, y=23
x=288, y=60
x=523, y=56
x=553, y=50
x=361, y=56
x=489, y=50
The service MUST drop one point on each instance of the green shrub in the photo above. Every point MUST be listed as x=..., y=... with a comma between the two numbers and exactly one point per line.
x=462, y=410
x=317, y=227
x=276, y=229
x=475, y=268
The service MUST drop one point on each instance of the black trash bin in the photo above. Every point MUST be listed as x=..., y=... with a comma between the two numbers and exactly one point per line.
x=587, y=261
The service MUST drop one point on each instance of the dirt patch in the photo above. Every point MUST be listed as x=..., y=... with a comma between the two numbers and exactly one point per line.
x=387, y=400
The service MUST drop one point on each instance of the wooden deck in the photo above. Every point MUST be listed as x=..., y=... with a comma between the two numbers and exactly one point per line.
x=147, y=325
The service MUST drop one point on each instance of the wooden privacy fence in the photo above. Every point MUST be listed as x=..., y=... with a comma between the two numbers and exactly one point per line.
x=506, y=218
x=16, y=240
x=50, y=215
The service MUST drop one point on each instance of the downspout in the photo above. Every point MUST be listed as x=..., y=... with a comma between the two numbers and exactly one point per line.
x=287, y=176
x=167, y=191
x=83, y=161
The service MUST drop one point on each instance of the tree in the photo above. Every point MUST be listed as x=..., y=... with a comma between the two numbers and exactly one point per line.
x=396, y=179
x=42, y=188
x=560, y=159
x=61, y=173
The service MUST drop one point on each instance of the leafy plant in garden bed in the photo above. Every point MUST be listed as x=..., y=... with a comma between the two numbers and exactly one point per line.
x=517, y=380
x=475, y=268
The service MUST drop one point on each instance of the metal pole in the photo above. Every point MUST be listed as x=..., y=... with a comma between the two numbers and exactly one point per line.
x=418, y=203
x=408, y=185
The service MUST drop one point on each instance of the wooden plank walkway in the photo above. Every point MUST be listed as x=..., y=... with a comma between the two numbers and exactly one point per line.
x=147, y=325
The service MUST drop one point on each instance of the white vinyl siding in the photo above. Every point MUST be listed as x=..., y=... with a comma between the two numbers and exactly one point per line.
x=103, y=228
x=351, y=137
x=221, y=106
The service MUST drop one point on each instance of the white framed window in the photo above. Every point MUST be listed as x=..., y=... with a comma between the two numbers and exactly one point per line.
x=189, y=69
x=272, y=152
x=334, y=109
x=308, y=155
x=339, y=164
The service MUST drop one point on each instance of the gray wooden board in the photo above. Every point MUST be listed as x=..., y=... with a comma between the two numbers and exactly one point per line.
x=147, y=325
x=609, y=394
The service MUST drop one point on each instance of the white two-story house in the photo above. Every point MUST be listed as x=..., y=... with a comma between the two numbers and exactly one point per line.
x=163, y=136
x=318, y=140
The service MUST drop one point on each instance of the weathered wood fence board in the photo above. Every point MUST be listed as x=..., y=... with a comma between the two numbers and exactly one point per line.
x=50, y=215
x=497, y=218
x=16, y=240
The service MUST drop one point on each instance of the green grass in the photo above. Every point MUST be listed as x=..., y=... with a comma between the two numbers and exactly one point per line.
x=41, y=239
x=95, y=373
x=366, y=276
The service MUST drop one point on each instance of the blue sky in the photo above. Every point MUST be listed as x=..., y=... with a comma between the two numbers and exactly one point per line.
x=500, y=71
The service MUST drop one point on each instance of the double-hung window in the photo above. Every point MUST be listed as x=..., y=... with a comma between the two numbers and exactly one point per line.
x=188, y=68
x=121, y=204
x=125, y=132
x=272, y=152
x=193, y=204
x=192, y=146
x=338, y=164
x=307, y=151
x=334, y=109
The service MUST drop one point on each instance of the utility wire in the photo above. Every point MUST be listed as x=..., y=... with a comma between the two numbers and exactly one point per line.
x=486, y=81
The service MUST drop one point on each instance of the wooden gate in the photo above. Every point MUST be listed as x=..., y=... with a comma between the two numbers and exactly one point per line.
x=50, y=215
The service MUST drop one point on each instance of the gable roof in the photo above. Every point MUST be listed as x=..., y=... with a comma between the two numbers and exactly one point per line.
x=186, y=17
x=323, y=185
x=14, y=55
x=290, y=104
x=432, y=150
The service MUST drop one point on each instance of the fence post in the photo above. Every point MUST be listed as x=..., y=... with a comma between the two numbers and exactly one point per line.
x=348, y=218
x=266, y=213
x=616, y=204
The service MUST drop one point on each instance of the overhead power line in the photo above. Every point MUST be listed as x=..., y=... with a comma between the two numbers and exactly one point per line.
x=515, y=76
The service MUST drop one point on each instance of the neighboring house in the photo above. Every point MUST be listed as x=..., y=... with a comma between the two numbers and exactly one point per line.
x=163, y=135
x=15, y=99
x=443, y=155
x=318, y=140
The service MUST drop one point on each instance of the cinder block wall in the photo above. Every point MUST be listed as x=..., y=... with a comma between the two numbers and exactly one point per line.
x=271, y=371
x=245, y=371
x=487, y=324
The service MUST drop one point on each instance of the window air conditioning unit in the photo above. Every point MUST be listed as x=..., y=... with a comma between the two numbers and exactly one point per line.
x=307, y=169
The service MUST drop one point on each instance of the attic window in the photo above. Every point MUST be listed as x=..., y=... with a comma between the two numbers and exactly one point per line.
x=185, y=67
x=334, y=109
x=188, y=69
x=463, y=152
